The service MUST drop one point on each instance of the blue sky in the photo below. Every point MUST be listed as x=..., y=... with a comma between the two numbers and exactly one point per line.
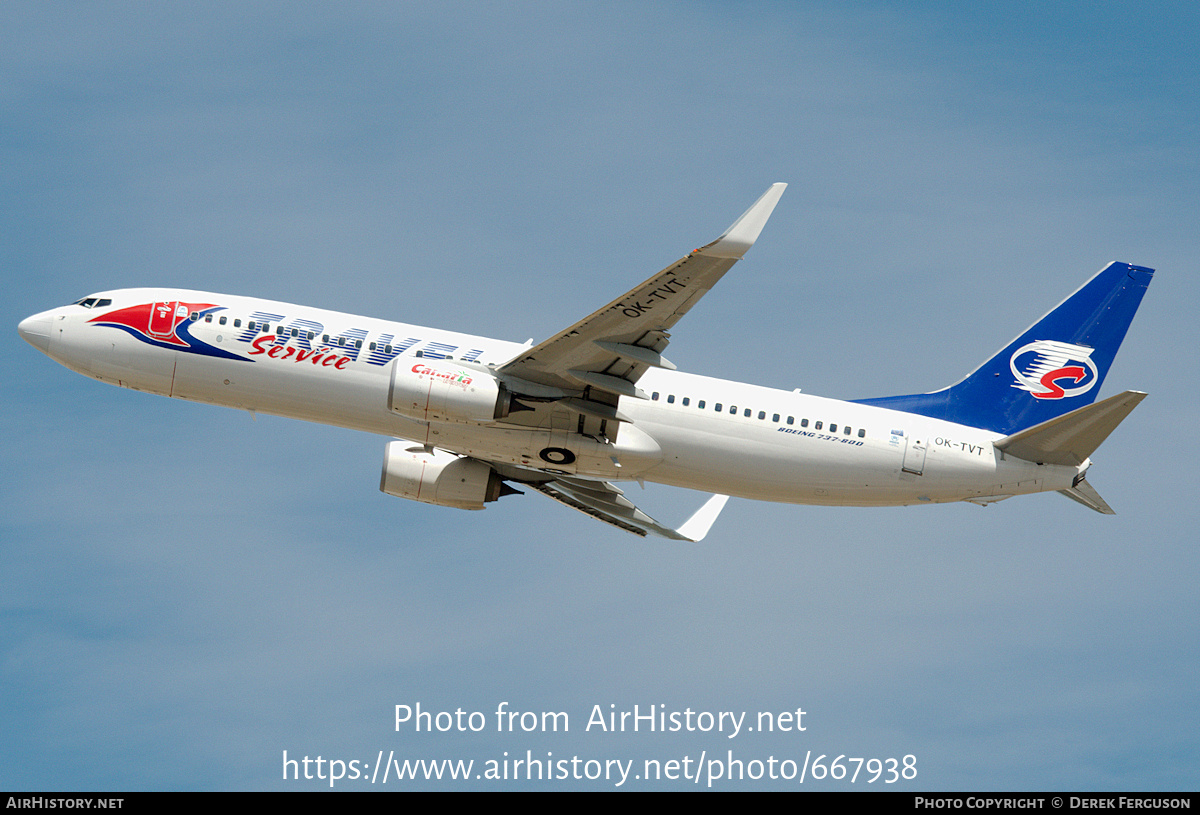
x=187, y=593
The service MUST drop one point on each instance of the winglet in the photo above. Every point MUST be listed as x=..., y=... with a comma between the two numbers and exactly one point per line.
x=697, y=526
x=745, y=230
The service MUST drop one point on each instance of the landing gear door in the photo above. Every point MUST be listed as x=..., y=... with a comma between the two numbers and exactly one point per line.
x=914, y=455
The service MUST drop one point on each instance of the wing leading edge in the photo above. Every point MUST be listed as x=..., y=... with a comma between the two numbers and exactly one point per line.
x=601, y=357
x=588, y=367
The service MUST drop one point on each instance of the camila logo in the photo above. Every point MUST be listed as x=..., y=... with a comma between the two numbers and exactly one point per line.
x=1049, y=369
x=456, y=377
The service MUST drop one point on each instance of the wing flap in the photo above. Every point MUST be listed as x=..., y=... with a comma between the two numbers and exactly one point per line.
x=608, y=503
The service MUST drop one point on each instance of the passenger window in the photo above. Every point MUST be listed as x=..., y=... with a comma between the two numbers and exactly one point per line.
x=194, y=316
x=746, y=413
x=222, y=320
x=237, y=322
x=833, y=428
x=817, y=426
x=804, y=422
x=717, y=407
x=700, y=404
x=733, y=410
x=685, y=401
x=775, y=418
x=762, y=414
x=862, y=433
x=847, y=430
x=295, y=332
x=654, y=396
x=671, y=399
x=208, y=318
x=790, y=420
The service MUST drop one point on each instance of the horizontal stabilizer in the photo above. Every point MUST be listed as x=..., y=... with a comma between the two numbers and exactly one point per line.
x=1073, y=437
x=1086, y=494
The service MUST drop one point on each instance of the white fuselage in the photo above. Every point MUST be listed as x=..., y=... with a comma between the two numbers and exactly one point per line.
x=695, y=432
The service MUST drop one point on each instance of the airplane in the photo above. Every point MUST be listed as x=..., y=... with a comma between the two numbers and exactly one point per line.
x=598, y=404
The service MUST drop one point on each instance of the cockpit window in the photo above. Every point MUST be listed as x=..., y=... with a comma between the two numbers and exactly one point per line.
x=93, y=302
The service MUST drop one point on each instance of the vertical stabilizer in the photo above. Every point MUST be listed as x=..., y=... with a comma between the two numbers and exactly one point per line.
x=1056, y=366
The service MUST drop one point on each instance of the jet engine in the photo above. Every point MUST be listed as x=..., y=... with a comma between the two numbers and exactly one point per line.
x=441, y=478
x=433, y=390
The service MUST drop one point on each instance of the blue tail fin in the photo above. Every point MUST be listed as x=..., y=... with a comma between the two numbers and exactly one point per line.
x=1056, y=366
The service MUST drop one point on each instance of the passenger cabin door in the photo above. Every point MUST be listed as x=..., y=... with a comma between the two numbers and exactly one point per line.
x=914, y=455
x=163, y=319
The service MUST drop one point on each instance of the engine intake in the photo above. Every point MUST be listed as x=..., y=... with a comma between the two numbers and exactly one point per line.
x=438, y=478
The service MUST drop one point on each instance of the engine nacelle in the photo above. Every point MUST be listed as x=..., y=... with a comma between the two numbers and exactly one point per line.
x=438, y=477
x=433, y=390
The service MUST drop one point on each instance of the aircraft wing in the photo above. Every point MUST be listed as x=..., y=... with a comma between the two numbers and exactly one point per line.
x=606, y=502
x=602, y=356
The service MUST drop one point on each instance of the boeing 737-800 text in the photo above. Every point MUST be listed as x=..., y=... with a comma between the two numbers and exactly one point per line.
x=598, y=403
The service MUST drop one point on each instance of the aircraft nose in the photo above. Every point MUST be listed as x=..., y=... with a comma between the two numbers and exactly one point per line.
x=35, y=330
